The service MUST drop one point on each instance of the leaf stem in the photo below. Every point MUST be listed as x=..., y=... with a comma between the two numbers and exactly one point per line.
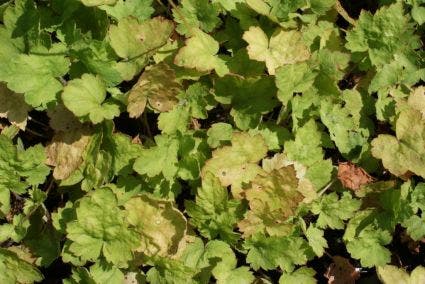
x=341, y=11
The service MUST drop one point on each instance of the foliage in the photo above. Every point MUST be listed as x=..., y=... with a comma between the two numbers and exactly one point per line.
x=158, y=142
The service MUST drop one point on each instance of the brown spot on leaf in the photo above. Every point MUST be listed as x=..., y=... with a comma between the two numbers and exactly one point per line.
x=352, y=176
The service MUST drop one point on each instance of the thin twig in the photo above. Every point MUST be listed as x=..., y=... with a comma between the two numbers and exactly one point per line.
x=146, y=124
x=340, y=9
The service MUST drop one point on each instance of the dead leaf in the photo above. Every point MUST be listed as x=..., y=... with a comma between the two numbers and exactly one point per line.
x=341, y=271
x=352, y=176
x=13, y=107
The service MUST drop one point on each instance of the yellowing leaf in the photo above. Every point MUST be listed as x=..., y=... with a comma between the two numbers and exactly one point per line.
x=389, y=274
x=130, y=39
x=200, y=53
x=66, y=151
x=284, y=47
x=406, y=151
x=237, y=163
x=158, y=87
x=161, y=225
x=13, y=107
x=273, y=198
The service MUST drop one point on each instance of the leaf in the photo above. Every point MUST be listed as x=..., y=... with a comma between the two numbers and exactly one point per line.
x=390, y=274
x=196, y=14
x=214, y=214
x=200, y=53
x=383, y=34
x=316, y=240
x=365, y=239
x=15, y=270
x=161, y=226
x=273, y=198
x=198, y=99
x=131, y=40
x=13, y=107
x=333, y=211
x=66, y=151
x=271, y=252
x=306, y=149
x=249, y=98
x=301, y=275
x=404, y=152
x=21, y=168
x=284, y=47
x=161, y=158
x=237, y=163
x=36, y=75
x=415, y=227
x=142, y=10
x=352, y=176
x=158, y=87
x=98, y=2
x=85, y=97
x=101, y=229
x=219, y=132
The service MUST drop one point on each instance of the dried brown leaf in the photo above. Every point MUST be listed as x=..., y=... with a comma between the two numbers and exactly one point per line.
x=352, y=176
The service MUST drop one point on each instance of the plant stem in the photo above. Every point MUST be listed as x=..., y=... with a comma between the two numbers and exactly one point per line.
x=340, y=9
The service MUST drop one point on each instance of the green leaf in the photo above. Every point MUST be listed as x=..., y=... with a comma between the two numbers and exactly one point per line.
x=142, y=10
x=85, y=97
x=101, y=229
x=365, y=239
x=301, y=275
x=161, y=158
x=103, y=272
x=200, y=53
x=198, y=99
x=391, y=274
x=15, y=270
x=21, y=168
x=98, y=2
x=213, y=213
x=316, y=240
x=415, y=227
x=383, y=34
x=196, y=14
x=13, y=107
x=271, y=252
x=249, y=98
x=35, y=74
x=219, y=132
x=284, y=47
x=333, y=211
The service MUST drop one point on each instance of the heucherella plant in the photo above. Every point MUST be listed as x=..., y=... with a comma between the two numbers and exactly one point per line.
x=212, y=141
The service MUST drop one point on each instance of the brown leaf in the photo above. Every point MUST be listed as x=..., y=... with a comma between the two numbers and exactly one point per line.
x=352, y=176
x=341, y=271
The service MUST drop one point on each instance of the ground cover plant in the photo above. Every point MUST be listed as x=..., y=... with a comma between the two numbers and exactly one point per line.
x=222, y=141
